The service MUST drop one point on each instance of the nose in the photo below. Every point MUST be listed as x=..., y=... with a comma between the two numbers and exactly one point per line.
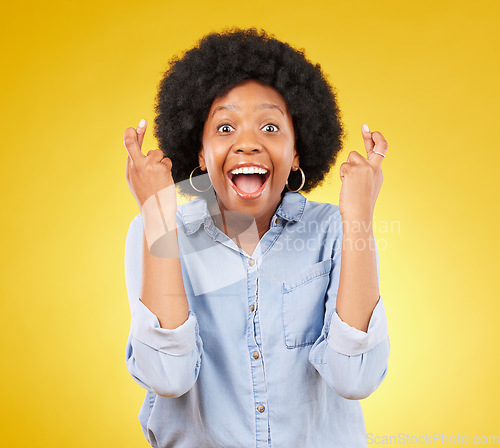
x=247, y=142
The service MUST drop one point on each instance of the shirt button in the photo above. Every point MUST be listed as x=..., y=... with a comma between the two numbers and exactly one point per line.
x=277, y=221
x=251, y=262
x=252, y=307
x=261, y=408
x=255, y=355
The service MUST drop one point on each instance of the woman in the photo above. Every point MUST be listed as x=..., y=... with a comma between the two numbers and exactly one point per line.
x=256, y=315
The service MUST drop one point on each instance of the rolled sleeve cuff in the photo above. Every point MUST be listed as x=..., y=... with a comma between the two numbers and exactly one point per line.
x=177, y=342
x=350, y=341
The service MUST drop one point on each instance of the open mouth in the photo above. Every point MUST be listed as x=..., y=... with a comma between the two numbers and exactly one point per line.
x=249, y=182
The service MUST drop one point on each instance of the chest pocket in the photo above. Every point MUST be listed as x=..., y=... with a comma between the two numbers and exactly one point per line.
x=304, y=304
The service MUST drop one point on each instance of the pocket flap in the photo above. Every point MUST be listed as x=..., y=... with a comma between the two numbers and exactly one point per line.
x=317, y=269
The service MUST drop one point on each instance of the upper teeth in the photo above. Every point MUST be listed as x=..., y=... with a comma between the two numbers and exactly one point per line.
x=249, y=170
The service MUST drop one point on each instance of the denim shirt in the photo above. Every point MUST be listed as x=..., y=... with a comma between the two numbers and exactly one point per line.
x=263, y=359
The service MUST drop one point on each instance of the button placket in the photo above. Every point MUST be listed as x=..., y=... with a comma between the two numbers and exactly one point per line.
x=256, y=360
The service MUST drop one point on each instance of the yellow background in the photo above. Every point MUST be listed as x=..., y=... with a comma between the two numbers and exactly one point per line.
x=76, y=74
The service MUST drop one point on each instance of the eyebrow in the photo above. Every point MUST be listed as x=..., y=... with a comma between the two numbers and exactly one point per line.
x=260, y=106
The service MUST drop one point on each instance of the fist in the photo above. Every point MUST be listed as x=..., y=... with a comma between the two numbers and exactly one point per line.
x=362, y=178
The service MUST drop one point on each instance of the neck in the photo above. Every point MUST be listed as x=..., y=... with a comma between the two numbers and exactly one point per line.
x=243, y=225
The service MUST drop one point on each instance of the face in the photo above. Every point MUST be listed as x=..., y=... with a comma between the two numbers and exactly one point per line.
x=248, y=148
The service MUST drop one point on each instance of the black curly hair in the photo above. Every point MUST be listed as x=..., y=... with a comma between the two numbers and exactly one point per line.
x=222, y=61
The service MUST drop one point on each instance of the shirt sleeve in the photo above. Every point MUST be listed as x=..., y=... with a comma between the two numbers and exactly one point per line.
x=165, y=361
x=353, y=362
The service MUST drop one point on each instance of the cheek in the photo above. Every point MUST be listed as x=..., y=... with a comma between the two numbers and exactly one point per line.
x=214, y=160
x=284, y=153
x=215, y=164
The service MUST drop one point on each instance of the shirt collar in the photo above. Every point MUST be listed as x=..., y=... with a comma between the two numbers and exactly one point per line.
x=195, y=212
x=292, y=206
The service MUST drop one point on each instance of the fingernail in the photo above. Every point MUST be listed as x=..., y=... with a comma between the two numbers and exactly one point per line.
x=142, y=123
x=365, y=128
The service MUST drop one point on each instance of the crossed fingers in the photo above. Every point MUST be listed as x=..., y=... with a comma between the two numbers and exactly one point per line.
x=375, y=144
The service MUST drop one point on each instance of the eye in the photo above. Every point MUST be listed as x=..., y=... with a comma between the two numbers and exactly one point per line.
x=271, y=128
x=225, y=128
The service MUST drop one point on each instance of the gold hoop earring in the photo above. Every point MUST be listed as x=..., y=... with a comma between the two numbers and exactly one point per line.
x=191, y=181
x=303, y=181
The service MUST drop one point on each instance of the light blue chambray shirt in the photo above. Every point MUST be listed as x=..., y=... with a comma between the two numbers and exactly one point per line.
x=263, y=359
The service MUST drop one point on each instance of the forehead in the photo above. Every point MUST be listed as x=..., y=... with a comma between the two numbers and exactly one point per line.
x=250, y=94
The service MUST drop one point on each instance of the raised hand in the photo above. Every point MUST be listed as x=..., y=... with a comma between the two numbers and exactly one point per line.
x=146, y=175
x=362, y=178
x=150, y=181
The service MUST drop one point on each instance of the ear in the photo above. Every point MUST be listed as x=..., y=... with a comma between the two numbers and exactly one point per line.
x=201, y=159
x=296, y=158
